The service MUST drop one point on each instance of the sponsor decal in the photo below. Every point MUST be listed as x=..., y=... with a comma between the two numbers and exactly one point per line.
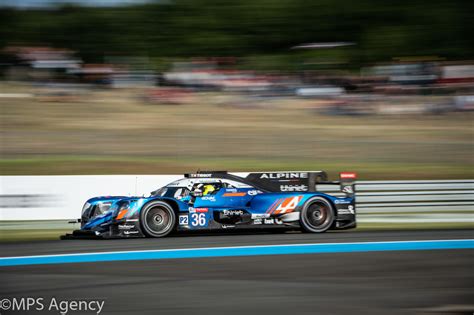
x=278, y=221
x=200, y=175
x=183, y=219
x=209, y=198
x=126, y=226
x=257, y=221
x=260, y=215
x=288, y=205
x=348, y=175
x=341, y=202
x=268, y=221
x=131, y=220
x=130, y=232
x=253, y=192
x=227, y=226
x=233, y=212
x=198, y=210
x=284, y=175
x=349, y=210
x=293, y=187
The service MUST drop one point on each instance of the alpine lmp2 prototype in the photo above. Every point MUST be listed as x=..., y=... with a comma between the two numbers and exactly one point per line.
x=217, y=200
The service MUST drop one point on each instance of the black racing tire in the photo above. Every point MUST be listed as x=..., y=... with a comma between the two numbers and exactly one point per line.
x=317, y=215
x=157, y=219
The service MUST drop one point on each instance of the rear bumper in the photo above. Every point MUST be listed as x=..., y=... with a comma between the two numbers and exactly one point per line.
x=344, y=224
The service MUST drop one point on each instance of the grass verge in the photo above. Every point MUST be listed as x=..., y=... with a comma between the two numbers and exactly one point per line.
x=84, y=165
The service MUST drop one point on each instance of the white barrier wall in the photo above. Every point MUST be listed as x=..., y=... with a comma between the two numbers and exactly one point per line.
x=62, y=197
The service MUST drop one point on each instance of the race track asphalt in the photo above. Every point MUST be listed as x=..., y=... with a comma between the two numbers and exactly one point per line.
x=9, y=249
x=390, y=282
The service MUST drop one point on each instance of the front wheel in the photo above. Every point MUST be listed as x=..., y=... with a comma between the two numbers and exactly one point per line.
x=157, y=219
x=317, y=215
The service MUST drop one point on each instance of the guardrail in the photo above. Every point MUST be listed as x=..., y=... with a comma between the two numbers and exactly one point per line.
x=413, y=201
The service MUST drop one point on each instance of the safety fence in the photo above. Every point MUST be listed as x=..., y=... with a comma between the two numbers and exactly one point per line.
x=413, y=201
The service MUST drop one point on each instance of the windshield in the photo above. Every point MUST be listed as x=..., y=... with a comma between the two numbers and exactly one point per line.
x=159, y=192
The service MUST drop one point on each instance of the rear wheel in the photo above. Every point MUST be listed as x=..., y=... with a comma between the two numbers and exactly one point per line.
x=157, y=219
x=317, y=215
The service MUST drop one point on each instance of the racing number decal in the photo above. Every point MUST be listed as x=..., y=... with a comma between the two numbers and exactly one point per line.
x=183, y=220
x=198, y=217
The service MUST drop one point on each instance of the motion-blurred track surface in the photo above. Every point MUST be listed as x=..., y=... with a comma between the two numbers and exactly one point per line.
x=400, y=282
x=220, y=240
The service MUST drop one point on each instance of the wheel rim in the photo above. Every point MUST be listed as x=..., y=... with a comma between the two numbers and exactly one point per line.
x=318, y=215
x=158, y=220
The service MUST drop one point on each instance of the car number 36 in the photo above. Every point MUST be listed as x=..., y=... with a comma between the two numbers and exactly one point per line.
x=198, y=219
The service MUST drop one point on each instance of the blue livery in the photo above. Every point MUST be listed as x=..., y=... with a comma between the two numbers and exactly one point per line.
x=221, y=201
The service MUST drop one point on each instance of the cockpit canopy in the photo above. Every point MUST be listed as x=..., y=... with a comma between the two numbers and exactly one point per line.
x=182, y=188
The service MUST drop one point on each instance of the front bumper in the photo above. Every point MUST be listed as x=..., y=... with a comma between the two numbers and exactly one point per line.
x=81, y=234
x=117, y=229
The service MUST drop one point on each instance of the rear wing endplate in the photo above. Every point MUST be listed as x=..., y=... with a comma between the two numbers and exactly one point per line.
x=347, y=181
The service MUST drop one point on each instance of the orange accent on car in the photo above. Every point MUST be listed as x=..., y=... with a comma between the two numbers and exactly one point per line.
x=271, y=207
x=286, y=202
x=237, y=194
x=122, y=213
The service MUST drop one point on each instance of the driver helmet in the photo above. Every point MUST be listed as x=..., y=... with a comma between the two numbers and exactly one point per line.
x=207, y=189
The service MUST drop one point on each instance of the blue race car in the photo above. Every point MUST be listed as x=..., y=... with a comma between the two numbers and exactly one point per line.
x=217, y=200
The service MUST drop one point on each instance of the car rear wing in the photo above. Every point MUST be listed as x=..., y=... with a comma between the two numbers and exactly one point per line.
x=302, y=181
x=285, y=181
x=347, y=181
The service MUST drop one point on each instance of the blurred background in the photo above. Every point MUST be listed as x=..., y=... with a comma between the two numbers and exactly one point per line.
x=129, y=88
x=163, y=87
